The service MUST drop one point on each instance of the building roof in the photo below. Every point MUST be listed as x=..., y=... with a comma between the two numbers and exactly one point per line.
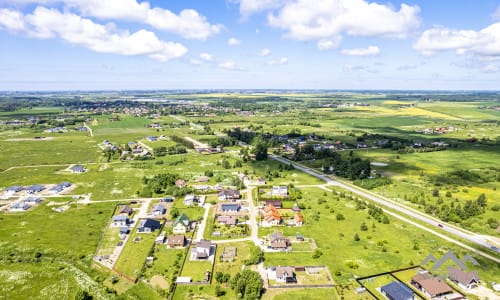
x=14, y=188
x=175, y=240
x=462, y=277
x=120, y=218
x=397, y=291
x=435, y=286
x=77, y=168
x=277, y=236
x=230, y=206
x=284, y=272
x=207, y=244
x=183, y=219
x=298, y=218
x=159, y=207
x=279, y=244
x=228, y=220
x=35, y=188
x=150, y=223
x=123, y=229
x=126, y=209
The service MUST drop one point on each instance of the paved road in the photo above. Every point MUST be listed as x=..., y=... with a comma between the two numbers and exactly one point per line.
x=469, y=236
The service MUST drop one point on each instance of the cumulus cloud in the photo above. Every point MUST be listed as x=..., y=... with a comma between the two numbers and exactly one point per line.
x=370, y=50
x=188, y=23
x=281, y=61
x=233, y=41
x=264, y=52
x=328, y=44
x=250, y=7
x=46, y=23
x=207, y=56
x=485, y=42
x=328, y=19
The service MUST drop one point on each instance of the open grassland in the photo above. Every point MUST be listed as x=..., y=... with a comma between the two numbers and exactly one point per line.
x=60, y=150
x=242, y=253
x=382, y=247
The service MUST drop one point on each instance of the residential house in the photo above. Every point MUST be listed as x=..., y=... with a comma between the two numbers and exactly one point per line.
x=180, y=183
x=60, y=187
x=271, y=216
x=285, y=275
x=181, y=224
x=432, y=287
x=295, y=208
x=19, y=206
x=148, y=225
x=77, y=169
x=203, y=249
x=277, y=241
x=298, y=219
x=11, y=190
x=32, y=200
x=190, y=199
x=126, y=210
x=37, y=188
x=123, y=232
x=120, y=221
x=397, y=291
x=229, y=208
x=280, y=191
x=229, y=195
x=275, y=203
x=158, y=210
x=227, y=220
x=465, y=280
x=174, y=241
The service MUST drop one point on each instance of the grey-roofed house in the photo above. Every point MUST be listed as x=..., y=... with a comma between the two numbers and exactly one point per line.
x=285, y=275
x=229, y=195
x=227, y=220
x=13, y=189
x=158, y=210
x=37, y=188
x=148, y=225
x=77, y=169
x=19, y=206
x=229, y=207
x=203, y=249
x=32, y=200
x=397, y=291
x=465, y=280
x=120, y=221
x=190, y=199
x=278, y=241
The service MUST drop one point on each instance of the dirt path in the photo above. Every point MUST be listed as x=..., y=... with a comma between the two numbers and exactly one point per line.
x=88, y=128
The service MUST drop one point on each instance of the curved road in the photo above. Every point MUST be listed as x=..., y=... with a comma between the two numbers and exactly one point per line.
x=469, y=236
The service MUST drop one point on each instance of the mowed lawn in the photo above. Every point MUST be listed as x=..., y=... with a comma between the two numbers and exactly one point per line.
x=134, y=254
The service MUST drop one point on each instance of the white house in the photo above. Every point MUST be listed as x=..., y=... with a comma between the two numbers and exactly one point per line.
x=181, y=224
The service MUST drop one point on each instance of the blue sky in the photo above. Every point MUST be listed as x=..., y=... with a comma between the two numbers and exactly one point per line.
x=240, y=44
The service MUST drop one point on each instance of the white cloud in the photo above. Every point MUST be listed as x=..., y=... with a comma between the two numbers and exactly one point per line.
x=195, y=62
x=11, y=20
x=370, y=50
x=328, y=44
x=264, y=52
x=229, y=65
x=281, y=61
x=250, y=7
x=188, y=23
x=233, y=41
x=206, y=56
x=485, y=42
x=46, y=23
x=314, y=20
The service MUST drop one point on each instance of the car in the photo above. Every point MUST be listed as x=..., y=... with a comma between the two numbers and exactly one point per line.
x=440, y=225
